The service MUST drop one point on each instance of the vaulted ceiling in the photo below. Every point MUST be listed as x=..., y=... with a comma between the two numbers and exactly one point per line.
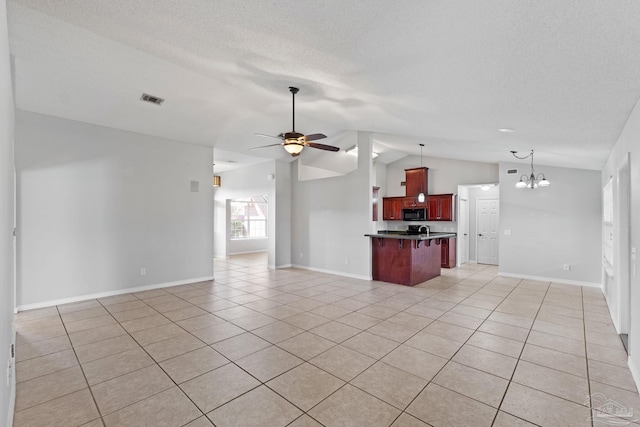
x=564, y=74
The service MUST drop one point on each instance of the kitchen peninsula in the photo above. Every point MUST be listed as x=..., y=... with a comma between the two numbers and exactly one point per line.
x=404, y=258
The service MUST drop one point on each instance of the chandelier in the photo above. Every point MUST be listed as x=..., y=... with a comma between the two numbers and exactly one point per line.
x=532, y=181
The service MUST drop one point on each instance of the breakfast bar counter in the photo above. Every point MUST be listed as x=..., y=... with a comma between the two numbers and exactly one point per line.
x=404, y=258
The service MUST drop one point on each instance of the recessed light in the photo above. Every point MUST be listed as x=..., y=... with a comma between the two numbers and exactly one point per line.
x=506, y=130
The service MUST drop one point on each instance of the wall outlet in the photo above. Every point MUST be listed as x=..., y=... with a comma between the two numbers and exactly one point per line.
x=143, y=271
x=566, y=267
x=507, y=232
x=301, y=255
x=346, y=261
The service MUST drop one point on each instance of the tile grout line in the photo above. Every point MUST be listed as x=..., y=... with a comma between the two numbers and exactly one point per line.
x=82, y=369
x=453, y=355
x=520, y=355
x=586, y=358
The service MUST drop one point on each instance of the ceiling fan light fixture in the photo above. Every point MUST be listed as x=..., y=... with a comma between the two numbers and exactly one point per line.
x=293, y=147
x=293, y=142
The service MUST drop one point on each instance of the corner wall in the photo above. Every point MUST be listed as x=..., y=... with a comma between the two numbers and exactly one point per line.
x=330, y=217
x=7, y=336
x=96, y=205
x=553, y=226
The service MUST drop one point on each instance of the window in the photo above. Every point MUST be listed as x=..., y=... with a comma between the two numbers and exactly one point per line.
x=249, y=217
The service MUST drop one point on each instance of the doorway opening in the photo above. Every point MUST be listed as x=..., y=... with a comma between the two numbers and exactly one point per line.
x=469, y=248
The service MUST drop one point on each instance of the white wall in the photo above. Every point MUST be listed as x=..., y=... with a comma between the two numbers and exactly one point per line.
x=95, y=205
x=552, y=226
x=7, y=392
x=247, y=246
x=628, y=144
x=330, y=218
x=444, y=174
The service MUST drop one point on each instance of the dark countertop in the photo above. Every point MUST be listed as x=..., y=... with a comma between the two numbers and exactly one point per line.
x=398, y=234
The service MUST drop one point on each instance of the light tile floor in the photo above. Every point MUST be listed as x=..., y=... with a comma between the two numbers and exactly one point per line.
x=301, y=348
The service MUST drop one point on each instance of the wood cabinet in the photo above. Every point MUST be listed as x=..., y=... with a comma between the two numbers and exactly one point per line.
x=412, y=202
x=448, y=250
x=416, y=181
x=441, y=207
x=405, y=261
x=392, y=208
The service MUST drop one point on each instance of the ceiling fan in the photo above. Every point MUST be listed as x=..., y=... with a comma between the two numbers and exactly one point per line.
x=293, y=142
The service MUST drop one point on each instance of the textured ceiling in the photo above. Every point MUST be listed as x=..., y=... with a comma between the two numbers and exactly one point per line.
x=564, y=73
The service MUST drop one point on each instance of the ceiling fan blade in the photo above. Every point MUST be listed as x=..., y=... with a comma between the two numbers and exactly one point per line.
x=269, y=136
x=315, y=136
x=322, y=146
x=265, y=146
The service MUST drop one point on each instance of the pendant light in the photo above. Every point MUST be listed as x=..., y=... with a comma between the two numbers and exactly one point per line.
x=532, y=181
x=421, y=197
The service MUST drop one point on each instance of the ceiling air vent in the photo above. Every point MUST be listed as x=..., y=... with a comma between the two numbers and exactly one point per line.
x=152, y=99
x=512, y=171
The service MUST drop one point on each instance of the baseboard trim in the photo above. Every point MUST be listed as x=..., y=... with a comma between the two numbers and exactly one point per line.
x=635, y=372
x=552, y=279
x=337, y=273
x=248, y=252
x=277, y=267
x=112, y=293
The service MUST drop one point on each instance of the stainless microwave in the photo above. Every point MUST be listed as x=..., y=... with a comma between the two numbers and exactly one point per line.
x=418, y=214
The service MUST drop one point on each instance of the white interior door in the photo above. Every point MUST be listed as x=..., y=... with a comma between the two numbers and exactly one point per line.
x=488, y=217
x=463, y=231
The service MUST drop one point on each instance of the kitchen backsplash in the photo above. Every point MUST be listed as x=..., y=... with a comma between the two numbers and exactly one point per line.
x=440, y=226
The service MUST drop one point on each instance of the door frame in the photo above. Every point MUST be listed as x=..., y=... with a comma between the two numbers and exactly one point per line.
x=622, y=226
x=462, y=249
